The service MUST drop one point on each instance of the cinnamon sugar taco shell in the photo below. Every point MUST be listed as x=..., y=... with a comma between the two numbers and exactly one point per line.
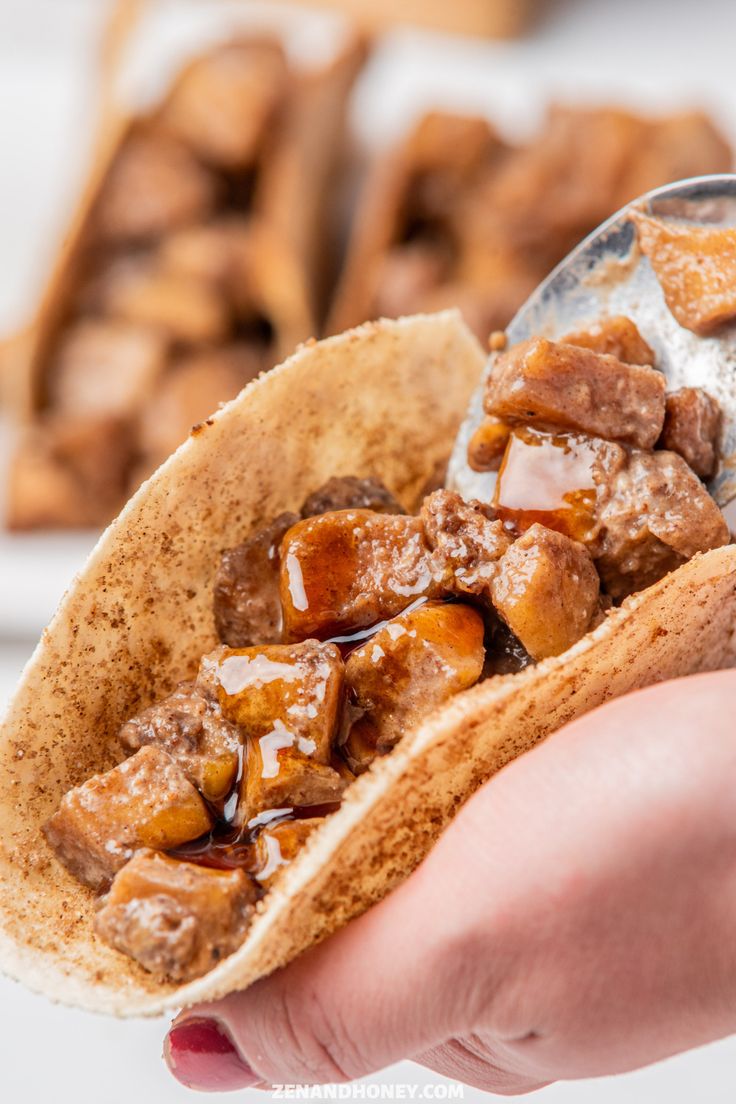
x=453, y=214
x=196, y=257
x=382, y=400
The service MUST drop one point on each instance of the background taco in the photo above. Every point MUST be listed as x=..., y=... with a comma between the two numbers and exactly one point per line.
x=198, y=256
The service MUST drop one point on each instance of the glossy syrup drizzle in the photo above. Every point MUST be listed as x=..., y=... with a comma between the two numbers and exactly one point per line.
x=547, y=478
x=229, y=845
x=350, y=642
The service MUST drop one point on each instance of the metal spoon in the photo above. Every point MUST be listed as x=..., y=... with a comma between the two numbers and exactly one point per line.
x=607, y=275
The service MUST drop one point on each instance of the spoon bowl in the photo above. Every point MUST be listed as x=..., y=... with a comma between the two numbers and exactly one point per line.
x=608, y=275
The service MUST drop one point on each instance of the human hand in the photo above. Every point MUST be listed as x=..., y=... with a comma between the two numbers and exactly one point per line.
x=576, y=919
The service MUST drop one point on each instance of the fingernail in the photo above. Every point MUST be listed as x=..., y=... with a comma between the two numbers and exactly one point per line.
x=201, y=1055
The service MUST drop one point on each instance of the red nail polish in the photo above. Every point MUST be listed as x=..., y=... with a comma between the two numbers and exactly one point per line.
x=201, y=1055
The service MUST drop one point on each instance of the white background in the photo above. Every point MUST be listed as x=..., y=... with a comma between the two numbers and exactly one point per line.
x=647, y=53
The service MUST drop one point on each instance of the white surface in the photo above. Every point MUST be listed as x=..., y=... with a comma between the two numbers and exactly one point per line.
x=652, y=54
x=35, y=571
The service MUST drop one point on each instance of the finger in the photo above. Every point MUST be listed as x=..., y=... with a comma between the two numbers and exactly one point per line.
x=490, y=1070
x=613, y=848
x=395, y=982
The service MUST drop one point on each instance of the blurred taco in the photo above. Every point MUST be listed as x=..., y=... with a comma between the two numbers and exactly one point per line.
x=456, y=216
x=293, y=656
x=194, y=261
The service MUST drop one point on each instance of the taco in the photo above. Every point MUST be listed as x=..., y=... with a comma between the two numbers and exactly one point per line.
x=273, y=684
x=456, y=216
x=196, y=259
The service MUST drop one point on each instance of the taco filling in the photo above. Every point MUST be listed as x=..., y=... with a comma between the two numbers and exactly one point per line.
x=345, y=624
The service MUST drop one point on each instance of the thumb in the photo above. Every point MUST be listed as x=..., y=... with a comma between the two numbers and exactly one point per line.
x=395, y=982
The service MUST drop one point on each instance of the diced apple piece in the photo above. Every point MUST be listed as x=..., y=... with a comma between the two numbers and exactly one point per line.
x=276, y=779
x=488, y=444
x=286, y=700
x=551, y=385
x=147, y=801
x=413, y=664
x=298, y=683
x=361, y=745
x=345, y=570
x=692, y=427
x=176, y=918
x=247, y=601
x=652, y=517
x=552, y=479
x=276, y=846
x=617, y=336
x=546, y=590
x=695, y=267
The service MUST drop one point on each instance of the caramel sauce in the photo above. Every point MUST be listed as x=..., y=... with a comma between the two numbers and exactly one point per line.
x=229, y=846
x=226, y=847
x=349, y=642
x=222, y=849
x=547, y=478
x=320, y=561
x=505, y=654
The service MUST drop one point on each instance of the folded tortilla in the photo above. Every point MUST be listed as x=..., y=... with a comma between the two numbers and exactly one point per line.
x=382, y=400
x=289, y=211
x=453, y=215
x=290, y=220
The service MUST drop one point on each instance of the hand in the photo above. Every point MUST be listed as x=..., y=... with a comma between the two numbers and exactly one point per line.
x=576, y=919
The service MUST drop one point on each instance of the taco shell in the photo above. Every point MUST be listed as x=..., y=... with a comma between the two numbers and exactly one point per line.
x=384, y=400
x=276, y=228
